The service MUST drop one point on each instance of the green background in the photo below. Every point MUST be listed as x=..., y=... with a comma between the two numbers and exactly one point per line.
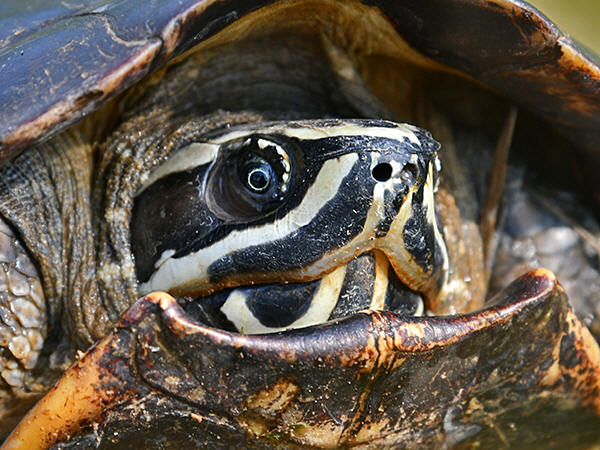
x=579, y=18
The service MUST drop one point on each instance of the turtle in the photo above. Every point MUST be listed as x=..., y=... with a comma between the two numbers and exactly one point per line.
x=242, y=213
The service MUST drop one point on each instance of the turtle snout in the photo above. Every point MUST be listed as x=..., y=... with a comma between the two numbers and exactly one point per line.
x=383, y=171
x=393, y=181
x=407, y=231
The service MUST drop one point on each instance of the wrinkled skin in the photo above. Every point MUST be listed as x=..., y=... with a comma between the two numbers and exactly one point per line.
x=523, y=361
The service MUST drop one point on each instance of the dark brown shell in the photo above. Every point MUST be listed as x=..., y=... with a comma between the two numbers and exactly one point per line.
x=524, y=371
x=63, y=62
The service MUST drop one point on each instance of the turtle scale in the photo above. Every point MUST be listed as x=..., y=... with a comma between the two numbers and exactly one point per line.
x=560, y=85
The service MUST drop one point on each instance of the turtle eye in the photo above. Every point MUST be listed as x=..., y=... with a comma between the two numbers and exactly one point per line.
x=257, y=176
x=249, y=179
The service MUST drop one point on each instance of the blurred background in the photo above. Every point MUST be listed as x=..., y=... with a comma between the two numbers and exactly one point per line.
x=579, y=18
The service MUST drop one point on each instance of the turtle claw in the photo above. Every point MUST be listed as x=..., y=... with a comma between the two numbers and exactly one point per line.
x=520, y=369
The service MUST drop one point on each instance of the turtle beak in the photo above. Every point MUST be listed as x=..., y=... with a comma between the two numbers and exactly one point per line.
x=414, y=244
x=302, y=384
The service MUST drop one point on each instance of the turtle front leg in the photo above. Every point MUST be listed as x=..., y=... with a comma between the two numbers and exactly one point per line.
x=49, y=305
x=23, y=328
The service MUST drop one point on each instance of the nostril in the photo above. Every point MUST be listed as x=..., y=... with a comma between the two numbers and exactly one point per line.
x=382, y=172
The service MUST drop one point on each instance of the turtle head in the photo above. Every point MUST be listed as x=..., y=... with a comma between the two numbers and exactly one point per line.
x=290, y=202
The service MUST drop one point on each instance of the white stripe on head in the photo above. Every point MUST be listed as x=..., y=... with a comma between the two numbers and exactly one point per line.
x=429, y=203
x=188, y=157
x=382, y=280
x=307, y=130
x=197, y=154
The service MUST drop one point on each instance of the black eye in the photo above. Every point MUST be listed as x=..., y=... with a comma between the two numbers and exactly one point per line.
x=258, y=176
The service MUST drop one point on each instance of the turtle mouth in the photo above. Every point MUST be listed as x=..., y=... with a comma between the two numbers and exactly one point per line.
x=365, y=283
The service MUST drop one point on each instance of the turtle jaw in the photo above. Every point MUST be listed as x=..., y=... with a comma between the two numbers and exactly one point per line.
x=366, y=282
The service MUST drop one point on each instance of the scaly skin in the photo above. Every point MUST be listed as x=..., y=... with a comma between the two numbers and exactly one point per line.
x=23, y=325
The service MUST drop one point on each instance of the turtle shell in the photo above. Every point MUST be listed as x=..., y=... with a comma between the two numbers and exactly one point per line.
x=61, y=63
x=490, y=377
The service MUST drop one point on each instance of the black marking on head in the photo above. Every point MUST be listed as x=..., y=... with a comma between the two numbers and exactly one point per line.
x=391, y=208
x=335, y=146
x=273, y=305
x=428, y=145
x=277, y=306
x=418, y=233
x=207, y=310
x=377, y=123
x=169, y=214
x=357, y=291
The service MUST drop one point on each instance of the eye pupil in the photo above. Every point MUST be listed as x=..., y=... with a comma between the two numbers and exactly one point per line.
x=258, y=179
